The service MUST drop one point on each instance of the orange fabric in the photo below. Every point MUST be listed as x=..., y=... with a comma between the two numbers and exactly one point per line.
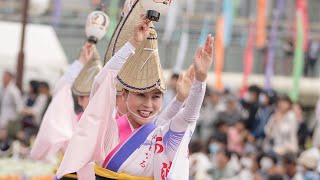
x=219, y=54
x=43, y=178
x=261, y=23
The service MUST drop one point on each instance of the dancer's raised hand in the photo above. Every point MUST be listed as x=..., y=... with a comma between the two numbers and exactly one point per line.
x=203, y=59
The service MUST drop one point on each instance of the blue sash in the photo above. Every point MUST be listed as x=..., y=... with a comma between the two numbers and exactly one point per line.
x=127, y=149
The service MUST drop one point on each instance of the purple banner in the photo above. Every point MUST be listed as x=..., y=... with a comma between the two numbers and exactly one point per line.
x=272, y=44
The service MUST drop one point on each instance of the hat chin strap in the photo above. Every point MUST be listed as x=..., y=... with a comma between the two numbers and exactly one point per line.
x=140, y=116
x=118, y=110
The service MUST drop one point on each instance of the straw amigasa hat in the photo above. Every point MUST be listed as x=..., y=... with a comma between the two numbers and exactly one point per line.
x=142, y=72
x=119, y=88
x=124, y=29
x=83, y=83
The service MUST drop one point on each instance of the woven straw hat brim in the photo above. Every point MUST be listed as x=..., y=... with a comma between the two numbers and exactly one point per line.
x=83, y=83
x=142, y=72
x=119, y=88
x=108, y=55
x=124, y=29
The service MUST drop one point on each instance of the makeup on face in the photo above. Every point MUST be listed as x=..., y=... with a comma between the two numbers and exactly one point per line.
x=143, y=107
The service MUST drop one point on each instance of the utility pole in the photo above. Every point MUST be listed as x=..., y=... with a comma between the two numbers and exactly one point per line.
x=20, y=61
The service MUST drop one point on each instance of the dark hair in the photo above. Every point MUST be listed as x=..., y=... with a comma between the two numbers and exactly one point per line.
x=241, y=121
x=175, y=76
x=285, y=98
x=255, y=89
x=196, y=146
x=275, y=177
x=44, y=84
x=271, y=94
x=35, y=86
x=289, y=158
x=219, y=137
x=270, y=155
x=227, y=153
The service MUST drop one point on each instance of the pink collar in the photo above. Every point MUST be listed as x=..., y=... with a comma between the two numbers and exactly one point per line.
x=79, y=116
x=124, y=127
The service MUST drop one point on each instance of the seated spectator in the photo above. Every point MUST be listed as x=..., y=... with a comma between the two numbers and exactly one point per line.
x=199, y=161
x=221, y=126
x=210, y=109
x=38, y=107
x=303, y=130
x=44, y=90
x=28, y=119
x=290, y=167
x=232, y=113
x=215, y=144
x=21, y=146
x=4, y=143
x=250, y=168
x=223, y=170
x=281, y=129
x=236, y=137
x=309, y=164
x=250, y=104
x=267, y=99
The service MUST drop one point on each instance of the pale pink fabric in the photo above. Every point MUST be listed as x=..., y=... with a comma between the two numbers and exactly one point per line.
x=96, y=134
x=56, y=128
x=86, y=172
x=59, y=120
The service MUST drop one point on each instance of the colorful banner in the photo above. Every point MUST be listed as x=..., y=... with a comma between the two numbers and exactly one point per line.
x=228, y=20
x=113, y=10
x=204, y=30
x=219, y=54
x=298, y=56
x=261, y=23
x=272, y=44
x=302, y=6
x=248, y=59
x=56, y=13
x=96, y=2
x=236, y=4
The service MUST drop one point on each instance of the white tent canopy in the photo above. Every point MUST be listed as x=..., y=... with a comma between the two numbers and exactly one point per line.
x=45, y=59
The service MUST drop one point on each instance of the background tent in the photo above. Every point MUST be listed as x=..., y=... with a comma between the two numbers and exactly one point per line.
x=44, y=57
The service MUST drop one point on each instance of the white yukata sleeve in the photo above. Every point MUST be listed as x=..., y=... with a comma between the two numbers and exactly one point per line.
x=190, y=113
x=169, y=112
x=69, y=76
x=176, y=136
